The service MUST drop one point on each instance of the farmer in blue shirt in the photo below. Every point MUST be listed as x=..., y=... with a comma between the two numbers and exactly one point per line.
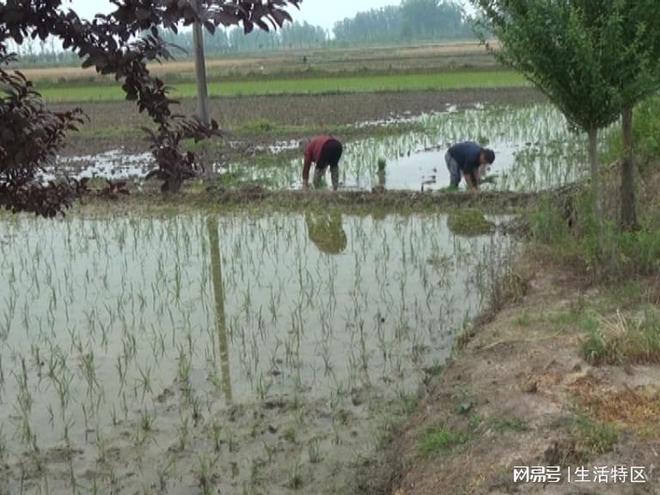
x=468, y=159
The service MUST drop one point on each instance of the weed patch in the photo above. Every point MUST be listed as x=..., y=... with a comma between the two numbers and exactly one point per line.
x=622, y=340
x=438, y=440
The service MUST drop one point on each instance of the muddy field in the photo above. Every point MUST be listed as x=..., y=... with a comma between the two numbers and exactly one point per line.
x=267, y=119
x=396, y=150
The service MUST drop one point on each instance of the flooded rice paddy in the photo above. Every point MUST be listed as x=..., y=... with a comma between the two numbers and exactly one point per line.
x=534, y=147
x=240, y=353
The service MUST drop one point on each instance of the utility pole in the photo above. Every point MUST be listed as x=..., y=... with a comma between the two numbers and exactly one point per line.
x=200, y=70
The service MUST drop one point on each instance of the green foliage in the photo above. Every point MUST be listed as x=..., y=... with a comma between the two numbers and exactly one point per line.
x=549, y=42
x=647, y=129
x=594, y=59
x=607, y=251
x=646, y=132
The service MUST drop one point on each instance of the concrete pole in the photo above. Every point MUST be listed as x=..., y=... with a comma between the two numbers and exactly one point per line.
x=200, y=70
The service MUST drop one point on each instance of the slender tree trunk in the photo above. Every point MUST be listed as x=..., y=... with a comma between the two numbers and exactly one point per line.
x=596, y=188
x=604, y=252
x=628, y=205
x=200, y=70
x=219, y=295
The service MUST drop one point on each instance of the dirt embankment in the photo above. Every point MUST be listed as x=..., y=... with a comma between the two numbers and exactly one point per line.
x=519, y=393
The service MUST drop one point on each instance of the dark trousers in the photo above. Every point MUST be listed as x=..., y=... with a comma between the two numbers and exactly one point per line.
x=330, y=156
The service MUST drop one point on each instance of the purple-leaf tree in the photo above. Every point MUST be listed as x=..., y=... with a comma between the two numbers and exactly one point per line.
x=114, y=44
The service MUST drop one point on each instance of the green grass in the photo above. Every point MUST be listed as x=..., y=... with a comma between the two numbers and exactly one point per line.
x=594, y=438
x=437, y=440
x=625, y=341
x=348, y=84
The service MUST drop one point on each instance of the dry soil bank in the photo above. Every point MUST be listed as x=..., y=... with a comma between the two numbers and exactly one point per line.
x=519, y=393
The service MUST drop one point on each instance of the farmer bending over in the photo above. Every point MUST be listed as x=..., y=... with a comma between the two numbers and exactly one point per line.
x=324, y=151
x=469, y=160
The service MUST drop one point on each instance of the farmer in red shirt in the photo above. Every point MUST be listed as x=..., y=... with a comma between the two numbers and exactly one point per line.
x=324, y=151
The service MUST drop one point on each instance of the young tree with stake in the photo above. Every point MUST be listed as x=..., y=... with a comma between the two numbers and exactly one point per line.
x=551, y=44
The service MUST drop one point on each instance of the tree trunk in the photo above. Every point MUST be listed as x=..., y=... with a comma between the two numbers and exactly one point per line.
x=603, y=252
x=628, y=206
x=596, y=188
x=200, y=71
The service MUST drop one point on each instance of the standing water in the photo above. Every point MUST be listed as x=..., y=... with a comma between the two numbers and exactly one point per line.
x=254, y=354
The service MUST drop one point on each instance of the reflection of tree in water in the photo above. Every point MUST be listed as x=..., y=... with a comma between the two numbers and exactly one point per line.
x=326, y=232
x=219, y=297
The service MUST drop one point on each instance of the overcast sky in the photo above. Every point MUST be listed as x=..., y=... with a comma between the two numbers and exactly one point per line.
x=320, y=12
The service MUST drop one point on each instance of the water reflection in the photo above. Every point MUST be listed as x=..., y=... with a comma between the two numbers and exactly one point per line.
x=219, y=299
x=325, y=230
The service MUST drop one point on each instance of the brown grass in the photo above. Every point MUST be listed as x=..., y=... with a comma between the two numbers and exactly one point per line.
x=637, y=409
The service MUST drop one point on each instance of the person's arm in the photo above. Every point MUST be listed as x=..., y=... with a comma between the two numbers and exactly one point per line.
x=307, y=165
x=472, y=180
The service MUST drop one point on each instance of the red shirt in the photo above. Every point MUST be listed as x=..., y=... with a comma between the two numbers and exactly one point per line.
x=313, y=153
x=314, y=148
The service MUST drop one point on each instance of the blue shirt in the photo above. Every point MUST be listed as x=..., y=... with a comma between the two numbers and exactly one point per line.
x=467, y=155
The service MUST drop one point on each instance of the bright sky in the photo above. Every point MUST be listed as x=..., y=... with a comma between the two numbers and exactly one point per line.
x=320, y=12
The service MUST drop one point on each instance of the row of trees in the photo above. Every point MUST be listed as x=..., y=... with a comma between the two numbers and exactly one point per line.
x=294, y=35
x=413, y=20
x=594, y=59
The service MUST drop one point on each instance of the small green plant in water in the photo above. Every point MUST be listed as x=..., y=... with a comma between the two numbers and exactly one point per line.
x=469, y=222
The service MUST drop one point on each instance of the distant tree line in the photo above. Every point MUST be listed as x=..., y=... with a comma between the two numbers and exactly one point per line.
x=296, y=35
x=413, y=20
